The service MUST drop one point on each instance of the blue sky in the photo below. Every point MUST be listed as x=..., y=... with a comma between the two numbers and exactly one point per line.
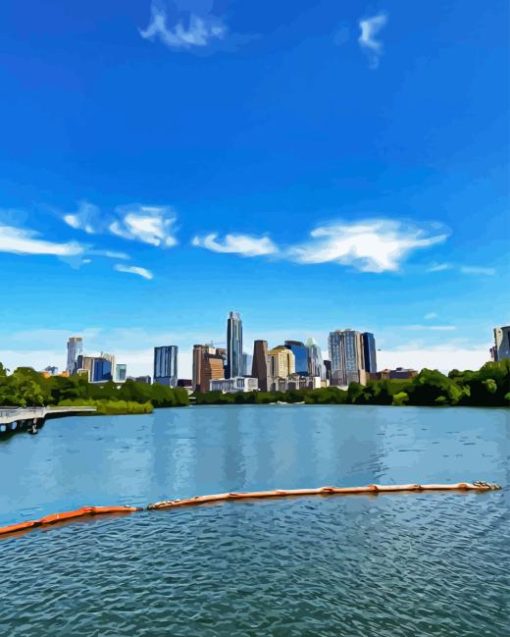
x=314, y=165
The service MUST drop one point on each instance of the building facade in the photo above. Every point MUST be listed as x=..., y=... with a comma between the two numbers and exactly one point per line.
x=501, y=348
x=74, y=349
x=120, y=372
x=211, y=368
x=300, y=352
x=316, y=367
x=234, y=385
x=347, y=357
x=234, y=345
x=282, y=362
x=260, y=366
x=369, y=353
x=165, y=365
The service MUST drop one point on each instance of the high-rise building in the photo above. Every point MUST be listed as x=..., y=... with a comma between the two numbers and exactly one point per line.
x=74, y=349
x=282, y=362
x=198, y=355
x=102, y=369
x=120, y=372
x=316, y=368
x=260, y=367
x=234, y=345
x=165, y=365
x=211, y=368
x=327, y=368
x=347, y=357
x=247, y=364
x=369, y=353
x=300, y=352
x=501, y=343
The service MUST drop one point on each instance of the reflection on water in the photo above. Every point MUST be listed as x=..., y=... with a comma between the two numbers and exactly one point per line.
x=399, y=565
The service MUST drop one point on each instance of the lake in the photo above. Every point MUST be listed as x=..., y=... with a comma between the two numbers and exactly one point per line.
x=390, y=565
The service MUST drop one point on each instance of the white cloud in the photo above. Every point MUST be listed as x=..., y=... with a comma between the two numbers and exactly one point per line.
x=245, y=245
x=468, y=269
x=86, y=218
x=430, y=328
x=430, y=316
x=440, y=267
x=367, y=39
x=23, y=241
x=199, y=32
x=377, y=245
x=150, y=224
x=110, y=254
x=134, y=269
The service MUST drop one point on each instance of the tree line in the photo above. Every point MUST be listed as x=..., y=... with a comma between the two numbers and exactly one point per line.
x=487, y=387
x=27, y=388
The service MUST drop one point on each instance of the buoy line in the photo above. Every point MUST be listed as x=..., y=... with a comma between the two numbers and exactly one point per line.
x=371, y=489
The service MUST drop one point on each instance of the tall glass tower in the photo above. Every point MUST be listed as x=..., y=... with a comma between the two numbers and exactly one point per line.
x=165, y=365
x=369, y=352
x=300, y=352
x=74, y=349
x=234, y=345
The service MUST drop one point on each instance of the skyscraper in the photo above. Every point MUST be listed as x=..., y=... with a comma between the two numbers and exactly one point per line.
x=501, y=343
x=198, y=353
x=260, y=369
x=234, y=345
x=316, y=366
x=165, y=365
x=369, y=353
x=247, y=364
x=347, y=357
x=300, y=352
x=74, y=349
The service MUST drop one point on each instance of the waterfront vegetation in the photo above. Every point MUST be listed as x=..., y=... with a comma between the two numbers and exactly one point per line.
x=487, y=387
x=27, y=388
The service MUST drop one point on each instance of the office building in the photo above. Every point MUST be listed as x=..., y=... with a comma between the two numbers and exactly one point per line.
x=316, y=367
x=247, y=364
x=198, y=354
x=120, y=373
x=327, y=368
x=369, y=353
x=300, y=352
x=347, y=357
x=501, y=348
x=165, y=365
x=102, y=369
x=211, y=368
x=260, y=367
x=234, y=385
x=234, y=345
x=400, y=373
x=74, y=349
x=282, y=362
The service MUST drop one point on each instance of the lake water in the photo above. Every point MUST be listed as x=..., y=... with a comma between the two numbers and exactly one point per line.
x=401, y=565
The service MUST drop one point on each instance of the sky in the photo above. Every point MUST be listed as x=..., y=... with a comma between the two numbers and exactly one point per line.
x=313, y=164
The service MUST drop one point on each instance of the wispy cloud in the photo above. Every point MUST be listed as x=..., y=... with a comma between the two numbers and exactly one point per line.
x=477, y=270
x=463, y=269
x=154, y=225
x=242, y=244
x=25, y=241
x=377, y=245
x=430, y=328
x=197, y=32
x=370, y=27
x=134, y=269
x=430, y=316
x=150, y=224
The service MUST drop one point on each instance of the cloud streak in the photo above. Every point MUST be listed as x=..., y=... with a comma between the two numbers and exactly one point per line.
x=242, y=244
x=199, y=32
x=134, y=269
x=370, y=28
x=24, y=241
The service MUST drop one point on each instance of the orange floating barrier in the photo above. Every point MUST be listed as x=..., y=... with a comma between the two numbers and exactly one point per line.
x=67, y=515
x=370, y=489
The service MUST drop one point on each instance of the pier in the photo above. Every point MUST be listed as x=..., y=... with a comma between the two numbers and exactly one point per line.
x=14, y=419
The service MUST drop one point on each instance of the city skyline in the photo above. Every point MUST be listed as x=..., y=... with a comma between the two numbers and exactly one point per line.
x=241, y=173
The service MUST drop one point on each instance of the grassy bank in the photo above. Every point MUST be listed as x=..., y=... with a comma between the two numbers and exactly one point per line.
x=111, y=407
